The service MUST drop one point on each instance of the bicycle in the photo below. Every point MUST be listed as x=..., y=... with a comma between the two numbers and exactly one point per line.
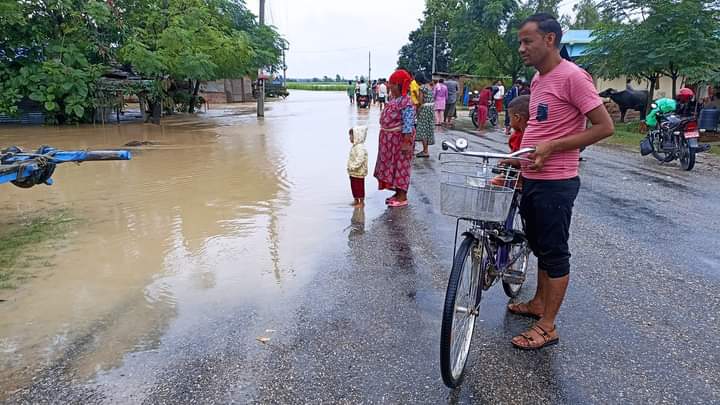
x=493, y=247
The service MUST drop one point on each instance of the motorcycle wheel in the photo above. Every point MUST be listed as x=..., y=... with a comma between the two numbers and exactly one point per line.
x=473, y=117
x=662, y=157
x=493, y=118
x=687, y=155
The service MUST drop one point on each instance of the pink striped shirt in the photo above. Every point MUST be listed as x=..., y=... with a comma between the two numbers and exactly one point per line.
x=559, y=101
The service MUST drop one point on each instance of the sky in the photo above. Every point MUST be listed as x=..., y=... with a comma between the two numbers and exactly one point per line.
x=329, y=37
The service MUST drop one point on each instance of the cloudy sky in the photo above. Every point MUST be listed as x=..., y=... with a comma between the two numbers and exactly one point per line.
x=329, y=37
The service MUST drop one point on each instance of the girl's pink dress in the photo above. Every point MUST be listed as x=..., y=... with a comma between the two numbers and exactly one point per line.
x=393, y=167
x=440, y=93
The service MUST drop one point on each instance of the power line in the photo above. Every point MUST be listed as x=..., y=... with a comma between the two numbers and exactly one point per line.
x=373, y=46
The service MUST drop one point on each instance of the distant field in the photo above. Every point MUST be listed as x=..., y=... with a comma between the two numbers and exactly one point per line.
x=317, y=86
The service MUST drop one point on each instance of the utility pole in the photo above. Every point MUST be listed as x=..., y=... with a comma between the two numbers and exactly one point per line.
x=434, y=46
x=369, y=68
x=261, y=81
x=284, y=66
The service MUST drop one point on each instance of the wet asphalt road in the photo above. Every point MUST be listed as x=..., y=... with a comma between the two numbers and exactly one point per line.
x=640, y=323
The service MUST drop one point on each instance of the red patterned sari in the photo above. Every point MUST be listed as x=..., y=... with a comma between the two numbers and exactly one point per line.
x=393, y=166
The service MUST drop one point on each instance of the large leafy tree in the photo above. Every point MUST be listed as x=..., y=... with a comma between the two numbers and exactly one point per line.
x=654, y=38
x=54, y=51
x=417, y=54
x=197, y=40
x=474, y=36
x=587, y=15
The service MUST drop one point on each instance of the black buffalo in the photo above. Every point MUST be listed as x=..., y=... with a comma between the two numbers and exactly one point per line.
x=628, y=100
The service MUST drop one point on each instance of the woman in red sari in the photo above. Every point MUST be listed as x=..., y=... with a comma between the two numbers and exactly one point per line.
x=397, y=138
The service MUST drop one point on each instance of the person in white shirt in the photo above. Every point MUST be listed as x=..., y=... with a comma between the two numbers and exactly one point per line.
x=363, y=89
x=499, y=95
x=382, y=94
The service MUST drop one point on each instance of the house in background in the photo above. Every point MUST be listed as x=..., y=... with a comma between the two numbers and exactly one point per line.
x=227, y=90
x=575, y=43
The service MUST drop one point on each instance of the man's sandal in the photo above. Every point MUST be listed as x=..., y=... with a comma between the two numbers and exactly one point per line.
x=522, y=309
x=532, y=343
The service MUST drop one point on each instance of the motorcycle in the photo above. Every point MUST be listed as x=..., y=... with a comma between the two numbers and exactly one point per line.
x=492, y=115
x=672, y=137
x=363, y=101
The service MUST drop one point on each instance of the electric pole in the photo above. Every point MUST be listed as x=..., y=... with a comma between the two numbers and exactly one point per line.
x=284, y=65
x=434, y=46
x=369, y=68
x=261, y=81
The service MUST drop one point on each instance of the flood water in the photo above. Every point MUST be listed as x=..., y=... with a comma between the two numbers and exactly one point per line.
x=222, y=209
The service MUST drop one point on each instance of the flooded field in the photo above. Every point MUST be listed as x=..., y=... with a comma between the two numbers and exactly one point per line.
x=220, y=210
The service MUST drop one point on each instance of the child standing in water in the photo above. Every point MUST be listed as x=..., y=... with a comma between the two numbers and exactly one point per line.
x=358, y=164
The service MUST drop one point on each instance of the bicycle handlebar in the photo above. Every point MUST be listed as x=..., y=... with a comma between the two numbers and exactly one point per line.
x=487, y=155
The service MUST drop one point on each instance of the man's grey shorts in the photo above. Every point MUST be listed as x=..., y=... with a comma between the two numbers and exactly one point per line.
x=450, y=110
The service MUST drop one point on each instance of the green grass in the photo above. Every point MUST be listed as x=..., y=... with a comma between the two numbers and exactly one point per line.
x=23, y=244
x=628, y=134
x=317, y=86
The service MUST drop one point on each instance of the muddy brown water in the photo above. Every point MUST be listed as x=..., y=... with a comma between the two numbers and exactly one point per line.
x=221, y=208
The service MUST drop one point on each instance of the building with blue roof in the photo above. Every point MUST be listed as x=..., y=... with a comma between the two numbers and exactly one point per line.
x=575, y=43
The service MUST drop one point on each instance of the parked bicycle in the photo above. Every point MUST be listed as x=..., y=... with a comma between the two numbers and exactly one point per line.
x=493, y=248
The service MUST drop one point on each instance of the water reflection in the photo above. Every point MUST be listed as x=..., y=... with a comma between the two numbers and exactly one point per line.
x=357, y=222
x=187, y=206
x=221, y=211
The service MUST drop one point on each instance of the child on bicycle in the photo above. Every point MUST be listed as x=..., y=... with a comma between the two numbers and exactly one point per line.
x=519, y=111
x=357, y=165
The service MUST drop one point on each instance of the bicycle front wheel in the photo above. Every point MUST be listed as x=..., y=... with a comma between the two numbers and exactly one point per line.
x=462, y=303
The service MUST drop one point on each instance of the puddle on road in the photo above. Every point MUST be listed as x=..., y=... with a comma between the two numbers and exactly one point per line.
x=221, y=208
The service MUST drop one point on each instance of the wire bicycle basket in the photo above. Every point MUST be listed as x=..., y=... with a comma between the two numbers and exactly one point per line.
x=475, y=190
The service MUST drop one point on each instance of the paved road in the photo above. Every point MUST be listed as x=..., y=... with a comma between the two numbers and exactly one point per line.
x=640, y=323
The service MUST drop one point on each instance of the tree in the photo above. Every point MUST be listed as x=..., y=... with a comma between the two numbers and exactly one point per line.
x=339, y=78
x=416, y=55
x=587, y=15
x=688, y=35
x=52, y=52
x=652, y=38
x=196, y=40
x=478, y=37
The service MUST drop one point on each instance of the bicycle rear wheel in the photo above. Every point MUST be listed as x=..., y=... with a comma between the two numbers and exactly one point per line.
x=513, y=281
x=462, y=303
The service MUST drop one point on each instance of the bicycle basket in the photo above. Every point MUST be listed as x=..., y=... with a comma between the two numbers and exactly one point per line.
x=471, y=190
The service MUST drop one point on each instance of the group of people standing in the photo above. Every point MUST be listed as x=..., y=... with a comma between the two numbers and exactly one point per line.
x=376, y=91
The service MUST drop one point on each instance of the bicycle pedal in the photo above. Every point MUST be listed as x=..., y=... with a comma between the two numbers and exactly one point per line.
x=513, y=277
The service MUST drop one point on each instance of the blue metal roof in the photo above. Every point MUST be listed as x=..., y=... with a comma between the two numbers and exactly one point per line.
x=575, y=43
x=577, y=37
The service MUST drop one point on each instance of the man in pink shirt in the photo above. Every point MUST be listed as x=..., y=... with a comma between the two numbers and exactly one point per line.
x=562, y=99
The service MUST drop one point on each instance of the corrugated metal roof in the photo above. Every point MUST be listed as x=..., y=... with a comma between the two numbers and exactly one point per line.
x=577, y=37
x=575, y=43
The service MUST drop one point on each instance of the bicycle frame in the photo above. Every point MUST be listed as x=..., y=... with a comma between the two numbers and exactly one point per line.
x=479, y=230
